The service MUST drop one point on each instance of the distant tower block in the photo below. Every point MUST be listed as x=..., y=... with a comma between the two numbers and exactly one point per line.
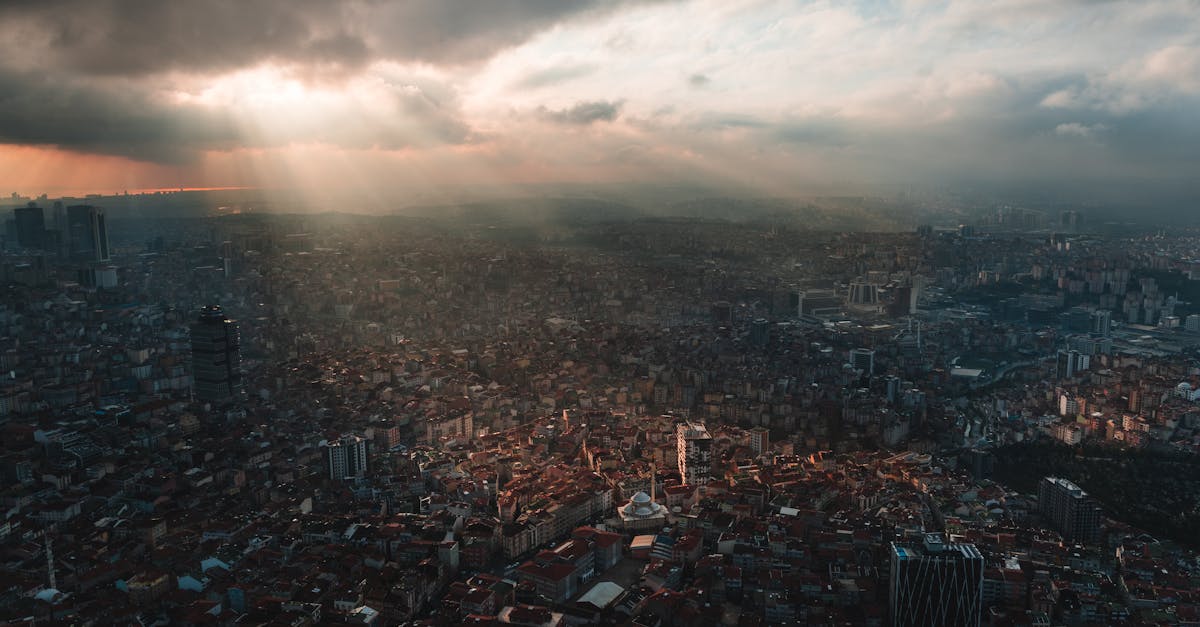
x=820, y=303
x=760, y=332
x=1102, y=322
x=216, y=357
x=693, y=447
x=863, y=297
x=1076, y=515
x=760, y=440
x=31, y=226
x=864, y=293
x=722, y=313
x=863, y=359
x=87, y=233
x=346, y=457
x=918, y=284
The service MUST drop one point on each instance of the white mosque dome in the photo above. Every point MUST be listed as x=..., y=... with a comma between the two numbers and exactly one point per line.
x=49, y=595
x=641, y=505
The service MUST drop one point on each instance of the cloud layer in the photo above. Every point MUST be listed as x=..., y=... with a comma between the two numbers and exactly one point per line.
x=773, y=94
x=139, y=37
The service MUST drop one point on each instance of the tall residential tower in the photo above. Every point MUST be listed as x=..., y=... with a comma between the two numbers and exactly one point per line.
x=693, y=446
x=346, y=457
x=216, y=357
x=1072, y=512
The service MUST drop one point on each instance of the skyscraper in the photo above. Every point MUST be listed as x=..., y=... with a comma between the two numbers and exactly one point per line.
x=863, y=359
x=346, y=457
x=1069, y=509
x=1102, y=322
x=935, y=584
x=1069, y=363
x=760, y=332
x=216, y=356
x=31, y=226
x=87, y=233
x=904, y=301
x=693, y=447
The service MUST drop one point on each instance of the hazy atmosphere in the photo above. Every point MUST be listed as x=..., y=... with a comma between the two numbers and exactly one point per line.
x=633, y=313
x=410, y=100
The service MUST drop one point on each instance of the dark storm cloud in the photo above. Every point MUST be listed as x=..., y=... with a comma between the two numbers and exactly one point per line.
x=138, y=37
x=458, y=31
x=584, y=113
x=40, y=110
x=137, y=123
x=85, y=74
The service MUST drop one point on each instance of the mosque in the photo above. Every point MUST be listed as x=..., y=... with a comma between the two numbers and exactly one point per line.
x=643, y=512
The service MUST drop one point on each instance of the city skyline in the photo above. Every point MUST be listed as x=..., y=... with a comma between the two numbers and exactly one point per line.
x=385, y=419
x=774, y=97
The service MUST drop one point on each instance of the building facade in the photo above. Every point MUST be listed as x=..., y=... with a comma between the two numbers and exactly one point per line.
x=760, y=440
x=31, y=226
x=935, y=583
x=87, y=233
x=216, y=357
x=693, y=446
x=1069, y=363
x=1069, y=509
x=346, y=457
x=863, y=359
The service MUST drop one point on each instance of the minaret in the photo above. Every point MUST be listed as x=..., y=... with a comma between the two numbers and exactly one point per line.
x=50, y=560
x=653, y=483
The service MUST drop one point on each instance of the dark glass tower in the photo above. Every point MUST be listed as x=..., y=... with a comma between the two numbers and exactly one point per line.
x=31, y=226
x=87, y=233
x=216, y=357
x=936, y=584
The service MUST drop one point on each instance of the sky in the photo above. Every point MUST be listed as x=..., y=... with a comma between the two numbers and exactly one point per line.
x=411, y=97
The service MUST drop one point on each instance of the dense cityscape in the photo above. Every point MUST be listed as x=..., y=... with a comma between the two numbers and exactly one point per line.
x=339, y=419
x=642, y=313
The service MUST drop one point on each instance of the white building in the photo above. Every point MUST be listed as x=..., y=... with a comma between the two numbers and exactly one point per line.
x=1068, y=406
x=346, y=457
x=1187, y=392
